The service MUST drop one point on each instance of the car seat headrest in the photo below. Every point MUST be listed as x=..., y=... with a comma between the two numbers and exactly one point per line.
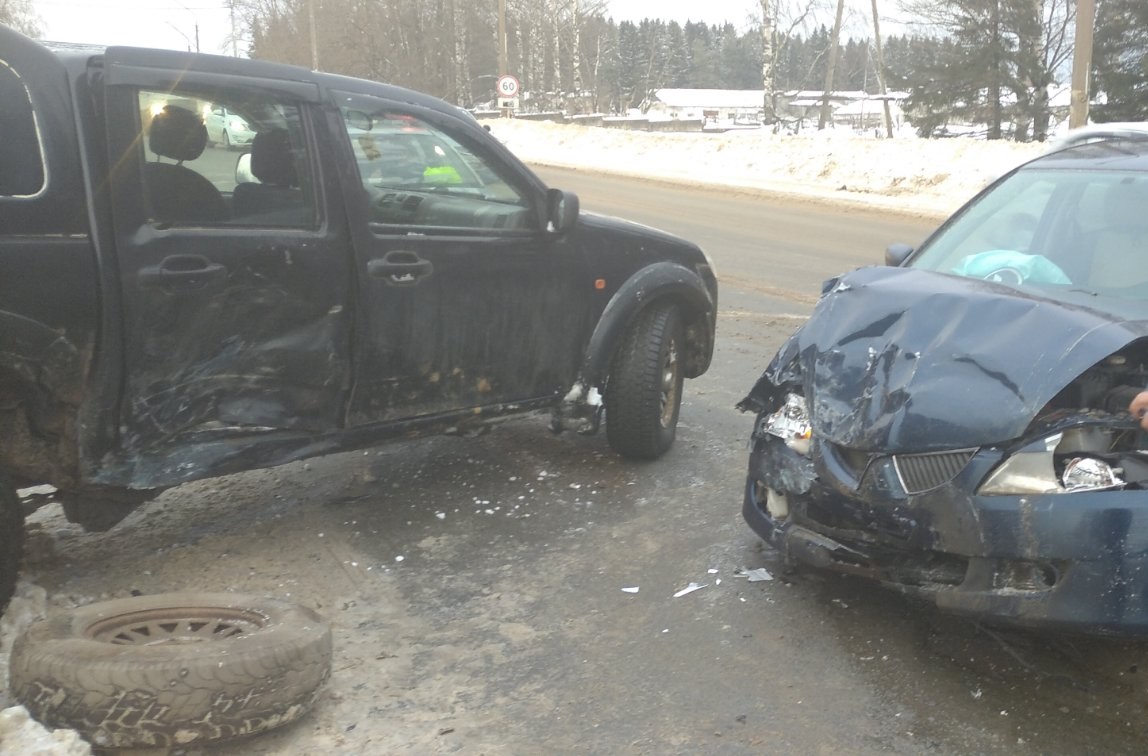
x=177, y=133
x=272, y=160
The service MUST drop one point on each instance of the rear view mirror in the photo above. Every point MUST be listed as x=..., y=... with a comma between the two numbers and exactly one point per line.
x=359, y=120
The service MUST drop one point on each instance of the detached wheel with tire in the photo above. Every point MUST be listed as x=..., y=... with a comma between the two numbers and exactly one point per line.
x=644, y=390
x=172, y=669
x=11, y=540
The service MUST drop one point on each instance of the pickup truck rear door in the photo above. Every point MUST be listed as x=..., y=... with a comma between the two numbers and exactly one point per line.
x=235, y=290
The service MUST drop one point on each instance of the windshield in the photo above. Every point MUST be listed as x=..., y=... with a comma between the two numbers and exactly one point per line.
x=1053, y=229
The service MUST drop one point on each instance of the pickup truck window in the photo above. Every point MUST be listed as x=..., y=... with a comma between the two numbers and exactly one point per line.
x=240, y=163
x=416, y=174
x=21, y=159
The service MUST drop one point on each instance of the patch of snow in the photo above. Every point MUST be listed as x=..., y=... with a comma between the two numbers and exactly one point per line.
x=924, y=176
x=20, y=734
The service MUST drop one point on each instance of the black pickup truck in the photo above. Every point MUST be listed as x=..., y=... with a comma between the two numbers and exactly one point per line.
x=332, y=263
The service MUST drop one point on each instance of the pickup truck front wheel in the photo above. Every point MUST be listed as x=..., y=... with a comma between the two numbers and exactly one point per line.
x=11, y=540
x=172, y=670
x=644, y=390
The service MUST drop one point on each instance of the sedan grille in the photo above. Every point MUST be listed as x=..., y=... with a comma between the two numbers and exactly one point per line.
x=924, y=472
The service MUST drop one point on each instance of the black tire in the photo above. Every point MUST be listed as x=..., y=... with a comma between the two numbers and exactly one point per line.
x=226, y=140
x=11, y=540
x=172, y=669
x=644, y=389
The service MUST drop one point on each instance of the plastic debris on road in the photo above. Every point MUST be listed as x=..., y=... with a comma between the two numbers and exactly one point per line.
x=755, y=576
x=631, y=589
x=690, y=589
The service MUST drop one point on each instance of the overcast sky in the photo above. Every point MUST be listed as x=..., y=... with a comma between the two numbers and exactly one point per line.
x=173, y=23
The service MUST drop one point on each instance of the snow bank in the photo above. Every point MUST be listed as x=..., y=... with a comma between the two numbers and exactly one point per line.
x=20, y=734
x=926, y=176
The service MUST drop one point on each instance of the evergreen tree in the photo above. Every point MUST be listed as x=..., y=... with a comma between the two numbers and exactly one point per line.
x=1120, y=60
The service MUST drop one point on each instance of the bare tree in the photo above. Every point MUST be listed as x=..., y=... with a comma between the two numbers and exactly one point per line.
x=20, y=15
x=834, y=42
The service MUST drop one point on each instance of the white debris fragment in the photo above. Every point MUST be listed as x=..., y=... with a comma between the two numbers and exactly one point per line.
x=575, y=393
x=400, y=558
x=755, y=576
x=840, y=603
x=593, y=398
x=631, y=589
x=440, y=515
x=690, y=589
x=712, y=571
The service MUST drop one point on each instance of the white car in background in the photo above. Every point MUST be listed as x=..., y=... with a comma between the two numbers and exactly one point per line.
x=226, y=128
x=1100, y=132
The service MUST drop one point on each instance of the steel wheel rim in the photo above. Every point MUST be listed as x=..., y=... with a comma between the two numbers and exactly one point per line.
x=175, y=626
x=669, y=384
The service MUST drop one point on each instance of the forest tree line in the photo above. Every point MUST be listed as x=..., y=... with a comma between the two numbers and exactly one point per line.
x=989, y=62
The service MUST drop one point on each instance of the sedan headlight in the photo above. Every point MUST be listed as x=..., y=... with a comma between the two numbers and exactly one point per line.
x=1032, y=470
x=790, y=424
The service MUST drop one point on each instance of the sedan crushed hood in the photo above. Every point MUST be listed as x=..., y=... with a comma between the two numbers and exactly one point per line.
x=904, y=360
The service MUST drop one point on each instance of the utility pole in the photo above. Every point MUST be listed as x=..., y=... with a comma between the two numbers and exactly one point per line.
x=314, y=37
x=503, y=64
x=881, y=73
x=1081, y=63
x=234, y=33
x=767, y=106
x=824, y=119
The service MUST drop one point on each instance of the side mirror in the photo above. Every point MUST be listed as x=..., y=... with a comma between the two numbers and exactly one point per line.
x=243, y=174
x=895, y=254
x=561, y=210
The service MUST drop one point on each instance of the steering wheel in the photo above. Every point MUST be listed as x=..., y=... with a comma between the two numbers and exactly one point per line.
x=1015, y=268
x=1006, y=275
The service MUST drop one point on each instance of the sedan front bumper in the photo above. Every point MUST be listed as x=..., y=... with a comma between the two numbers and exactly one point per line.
x=1074, y=562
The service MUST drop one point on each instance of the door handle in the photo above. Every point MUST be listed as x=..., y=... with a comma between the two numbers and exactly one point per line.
x=400, y=267
x=189, y=271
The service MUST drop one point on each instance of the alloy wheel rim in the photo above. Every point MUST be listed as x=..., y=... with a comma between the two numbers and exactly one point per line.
x=669, y=384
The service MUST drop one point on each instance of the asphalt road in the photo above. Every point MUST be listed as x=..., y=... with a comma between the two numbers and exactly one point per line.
x=475, y=585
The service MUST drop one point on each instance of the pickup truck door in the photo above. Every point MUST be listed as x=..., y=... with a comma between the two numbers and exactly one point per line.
x=235, y=303
x=465, y=302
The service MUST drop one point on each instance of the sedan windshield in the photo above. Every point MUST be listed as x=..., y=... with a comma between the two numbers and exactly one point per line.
x=1072, y=230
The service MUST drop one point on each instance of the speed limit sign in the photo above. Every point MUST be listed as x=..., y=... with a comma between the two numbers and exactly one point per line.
x=507, y=86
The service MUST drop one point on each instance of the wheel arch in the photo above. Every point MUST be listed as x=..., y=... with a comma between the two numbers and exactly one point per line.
x=654, y=285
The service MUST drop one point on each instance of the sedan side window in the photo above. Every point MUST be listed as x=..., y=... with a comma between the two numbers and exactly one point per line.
x=416, y=174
